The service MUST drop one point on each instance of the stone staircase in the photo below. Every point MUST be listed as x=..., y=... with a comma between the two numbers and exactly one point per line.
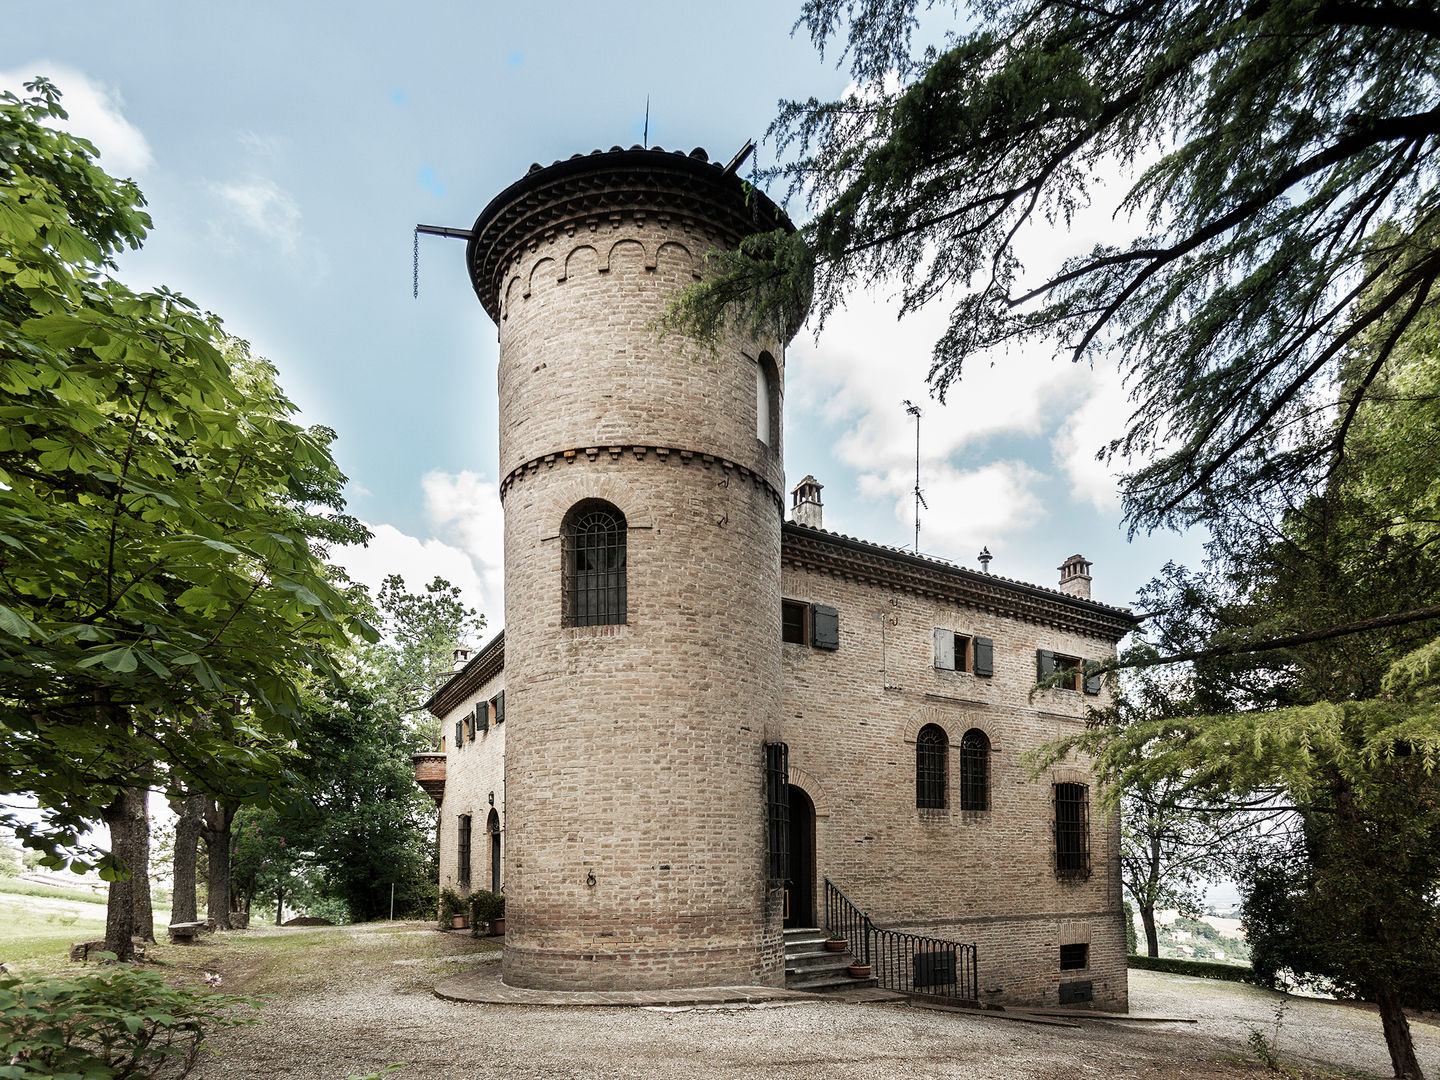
x=809, y=967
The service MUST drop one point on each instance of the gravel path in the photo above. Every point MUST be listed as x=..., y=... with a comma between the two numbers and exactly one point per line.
x=350, y=1001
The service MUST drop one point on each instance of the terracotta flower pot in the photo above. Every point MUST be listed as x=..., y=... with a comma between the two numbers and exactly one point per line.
x=859, y=971
x=836, y=944
x=497, y=927
x=459, y=922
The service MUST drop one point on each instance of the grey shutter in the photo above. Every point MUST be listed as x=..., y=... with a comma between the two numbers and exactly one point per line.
x=1044, y=664
x=1093, y=677
x=944, y=649
x=984, y=657
x=459, y=734
x=482, y=716
x=500, y=707
x=824, y=627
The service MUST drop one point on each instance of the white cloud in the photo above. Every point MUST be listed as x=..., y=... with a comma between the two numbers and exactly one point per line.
x=1102, y=418
x=96, y=113
x=467, y=548
x=263, y=209
x=465, y=509
x=969, y=508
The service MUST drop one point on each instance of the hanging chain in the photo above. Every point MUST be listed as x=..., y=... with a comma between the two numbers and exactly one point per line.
x=415, y=270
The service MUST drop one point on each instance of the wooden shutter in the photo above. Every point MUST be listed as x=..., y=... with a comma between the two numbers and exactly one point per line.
x=459, y=734
x=984, y=657
x=824, y=627
x=1093, y=678
x=500, y=707
x=482, y=716
x=944, y=649
x=1044, y=664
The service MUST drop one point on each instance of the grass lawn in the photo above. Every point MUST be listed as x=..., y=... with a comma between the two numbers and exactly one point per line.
x=38, y=923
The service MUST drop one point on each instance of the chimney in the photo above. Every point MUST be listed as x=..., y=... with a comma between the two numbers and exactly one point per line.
x=462, y=656
x=1075, y=577
x=805, y=508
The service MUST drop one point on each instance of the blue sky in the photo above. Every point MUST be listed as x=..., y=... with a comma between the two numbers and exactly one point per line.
x=287, y=150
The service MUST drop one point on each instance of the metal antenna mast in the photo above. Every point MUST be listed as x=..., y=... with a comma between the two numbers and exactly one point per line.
x=914, y=410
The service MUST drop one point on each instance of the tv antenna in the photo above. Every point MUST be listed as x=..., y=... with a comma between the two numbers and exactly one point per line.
x=914, y=410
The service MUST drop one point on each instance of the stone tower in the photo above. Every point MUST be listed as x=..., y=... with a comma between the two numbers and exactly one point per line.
x=641, y=480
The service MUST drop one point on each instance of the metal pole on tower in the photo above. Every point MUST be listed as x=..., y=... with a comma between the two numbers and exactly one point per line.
x=914, y=410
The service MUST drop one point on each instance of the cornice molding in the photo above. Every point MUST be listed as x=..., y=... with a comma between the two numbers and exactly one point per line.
x=889, y=568
x=482, y=667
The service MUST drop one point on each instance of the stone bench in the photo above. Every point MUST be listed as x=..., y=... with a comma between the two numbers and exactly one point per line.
x=184, y=932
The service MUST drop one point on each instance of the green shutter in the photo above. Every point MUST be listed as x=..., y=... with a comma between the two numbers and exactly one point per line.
x=500, y=707
x=984, y=657
x=1093, y=677
x=1044, y=664
x=459, y=734
x=824, y=627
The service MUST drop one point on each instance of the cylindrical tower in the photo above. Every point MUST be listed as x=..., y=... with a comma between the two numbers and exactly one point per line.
x=641, y=480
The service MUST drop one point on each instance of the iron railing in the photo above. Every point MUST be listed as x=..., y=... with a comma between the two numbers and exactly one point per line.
x=906, y=963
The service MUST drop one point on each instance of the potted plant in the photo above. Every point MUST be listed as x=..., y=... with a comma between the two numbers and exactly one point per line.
x=837, y=944
x=453, y=910
x=859, y=971
x=487, y=908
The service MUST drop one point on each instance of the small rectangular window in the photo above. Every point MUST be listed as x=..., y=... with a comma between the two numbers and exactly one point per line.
x=792, y=621
x=1066, y=669
x=1074, y=957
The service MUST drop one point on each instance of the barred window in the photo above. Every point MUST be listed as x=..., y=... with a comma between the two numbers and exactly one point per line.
x=975, y=770
x=594, y=564
x=1072, y=832
x=462, y=869
x=931, y=748
x=777, y=809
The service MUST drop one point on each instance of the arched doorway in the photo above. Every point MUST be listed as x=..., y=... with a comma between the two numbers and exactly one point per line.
x=800, y=888
x=493, y=827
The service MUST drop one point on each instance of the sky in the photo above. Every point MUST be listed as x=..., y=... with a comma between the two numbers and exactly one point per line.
x=287, y=151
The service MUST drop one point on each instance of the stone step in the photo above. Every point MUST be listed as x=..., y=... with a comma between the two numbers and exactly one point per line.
x=820, y=984
x=814, y=962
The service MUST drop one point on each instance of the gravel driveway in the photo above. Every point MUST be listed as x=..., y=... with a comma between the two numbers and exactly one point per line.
x=351, y=1000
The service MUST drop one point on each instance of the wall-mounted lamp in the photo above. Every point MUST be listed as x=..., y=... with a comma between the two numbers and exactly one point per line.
x=590, y=879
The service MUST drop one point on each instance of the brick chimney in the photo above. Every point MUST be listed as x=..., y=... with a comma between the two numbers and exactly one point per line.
x=1075, y=577
x=462, y=656
x=805, y=507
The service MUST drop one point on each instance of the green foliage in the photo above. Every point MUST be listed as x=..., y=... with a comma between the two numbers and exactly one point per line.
x=486, y=906
x=114, y=1024
x=452, y=904
x=163, y=521
x=9, y=861
x=1131, y=944
x=1200, y=969
x=1262, y=146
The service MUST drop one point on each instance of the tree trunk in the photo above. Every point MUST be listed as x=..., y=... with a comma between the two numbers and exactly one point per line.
x=125, y=818
x=216, y=833
x=1397, y=1035
x=279, y=905
x=1152, y=937
x=140, y=878
x=187, y=839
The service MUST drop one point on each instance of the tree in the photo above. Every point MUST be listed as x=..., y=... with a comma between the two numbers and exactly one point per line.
x=162, y=522
x=1270, y=140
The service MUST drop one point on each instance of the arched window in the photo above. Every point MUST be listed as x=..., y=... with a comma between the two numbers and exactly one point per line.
x=974, y=770
x=767, y=401
x=931, y=747
x=594, y=564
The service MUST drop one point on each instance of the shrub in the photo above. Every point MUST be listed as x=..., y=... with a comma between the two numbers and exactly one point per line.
x=451, y=904
x=1199, y=968
x=115, y=1024
x=486, y=906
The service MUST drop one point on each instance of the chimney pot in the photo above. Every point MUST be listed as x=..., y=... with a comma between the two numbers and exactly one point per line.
x=1075, y=577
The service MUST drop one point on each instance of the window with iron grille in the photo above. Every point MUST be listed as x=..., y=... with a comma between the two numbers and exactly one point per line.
x=594, y=564
x=1074, y=957
x=462, y=870
x=777, y=809
x=931, y=749
x=1072, y=832
x=975, y=770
